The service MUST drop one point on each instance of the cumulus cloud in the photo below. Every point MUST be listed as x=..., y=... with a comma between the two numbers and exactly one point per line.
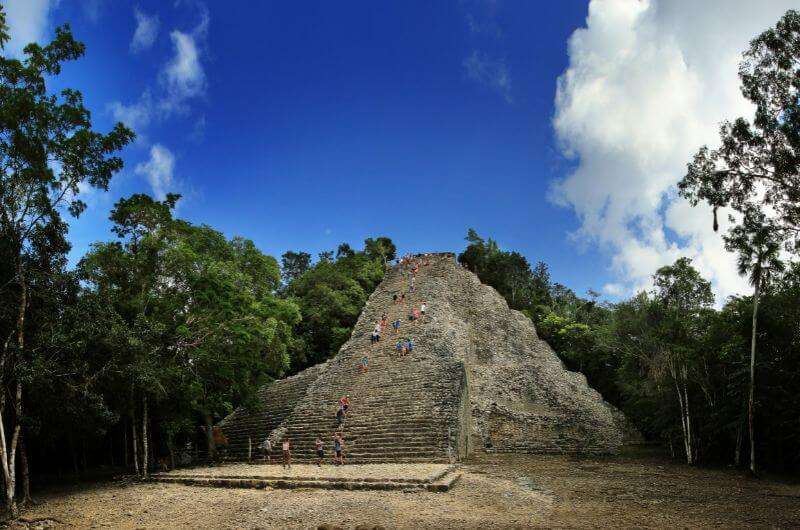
x=28, y=21
x=159, y=171
x=647, y=84
x=146, y=31
x=490, y=72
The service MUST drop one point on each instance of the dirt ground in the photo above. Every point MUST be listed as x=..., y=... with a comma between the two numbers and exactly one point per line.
x=495, y=492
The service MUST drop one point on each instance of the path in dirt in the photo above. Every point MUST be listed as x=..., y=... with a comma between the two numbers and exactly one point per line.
x=496, y=492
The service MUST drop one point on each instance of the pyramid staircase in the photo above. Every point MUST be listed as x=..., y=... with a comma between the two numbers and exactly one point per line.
x=247, y=428
x=404, y=409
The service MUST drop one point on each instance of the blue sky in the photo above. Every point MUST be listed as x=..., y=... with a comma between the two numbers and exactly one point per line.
x=301, y=125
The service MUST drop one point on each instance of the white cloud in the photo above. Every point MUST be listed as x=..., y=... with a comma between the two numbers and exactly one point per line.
x=158, y=171
x=493, y=73
x=614, y=289
x=181, y=79
x=28, y=21
x=647, y=84
x=137, y=115
x=184, y=75
x=146, y=31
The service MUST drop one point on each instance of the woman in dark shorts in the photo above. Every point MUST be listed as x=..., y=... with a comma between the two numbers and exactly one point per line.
x=338, y=446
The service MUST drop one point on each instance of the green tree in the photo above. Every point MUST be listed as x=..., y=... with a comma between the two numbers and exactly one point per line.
x=381, y=248
x=758, y=243
x=757, y=163
x=683, y=295
x=232, y=333
x=49, y=151
x=294, y=264
x=344, y=250
x=203, y=323
x=331, y=296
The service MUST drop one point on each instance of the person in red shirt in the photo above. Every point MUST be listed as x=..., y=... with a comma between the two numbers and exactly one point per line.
x=344, y=404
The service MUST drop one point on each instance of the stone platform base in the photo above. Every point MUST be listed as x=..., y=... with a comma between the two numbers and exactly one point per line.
x=405, y=477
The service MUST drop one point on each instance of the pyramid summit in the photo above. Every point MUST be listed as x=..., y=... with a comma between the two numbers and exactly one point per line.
x=478, y=379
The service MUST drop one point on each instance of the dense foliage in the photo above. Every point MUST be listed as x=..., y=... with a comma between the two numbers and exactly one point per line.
x=49, y=152
x=331, y=295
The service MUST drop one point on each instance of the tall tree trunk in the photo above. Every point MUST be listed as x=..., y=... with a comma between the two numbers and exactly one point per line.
x=692, y=450
x=683, y=405
x=687, y=446
x=8, y=472
x=212, y=448
x=751, y=399
x=8, y=451
x=25, y=470
x=135, y=441
x=144, y=437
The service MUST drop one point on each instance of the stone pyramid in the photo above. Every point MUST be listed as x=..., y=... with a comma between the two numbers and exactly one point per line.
x=479, y=379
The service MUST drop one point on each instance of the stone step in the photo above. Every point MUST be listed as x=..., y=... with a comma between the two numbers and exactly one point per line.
x=279, y=474
x=441, y=485
x=390, y=414
x=423, y=440
x=366, y=430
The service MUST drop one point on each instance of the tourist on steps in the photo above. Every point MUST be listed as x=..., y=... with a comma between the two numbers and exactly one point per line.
x=423, y=308
x=363, y=366
x=320, y=451
x=266, y=450
x=396, y=326
x=409, y=346
x=287, y=454
x=376, y=334
x=338, y=449
x=399, y=347
x=339, y=417
x=344, y=404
